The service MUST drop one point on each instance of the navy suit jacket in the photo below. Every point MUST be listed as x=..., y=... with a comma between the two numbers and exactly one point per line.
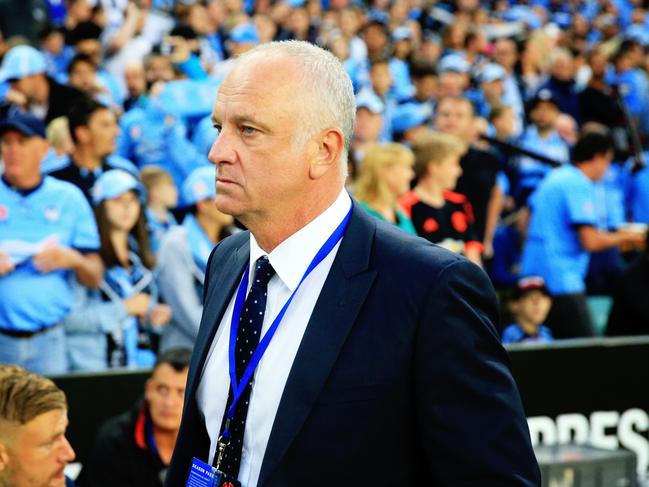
x=400, y=378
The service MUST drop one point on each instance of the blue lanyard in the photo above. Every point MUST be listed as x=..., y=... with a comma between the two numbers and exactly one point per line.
x=239, y=387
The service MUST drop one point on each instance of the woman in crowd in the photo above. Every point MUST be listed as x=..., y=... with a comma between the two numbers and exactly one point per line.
x=183, y=257
x=117, y=325
x=385, y=174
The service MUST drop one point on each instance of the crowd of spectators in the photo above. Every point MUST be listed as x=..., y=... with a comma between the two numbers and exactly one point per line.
x=510, y=132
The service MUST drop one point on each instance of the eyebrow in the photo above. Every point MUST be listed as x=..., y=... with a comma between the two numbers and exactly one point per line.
x=242, y=120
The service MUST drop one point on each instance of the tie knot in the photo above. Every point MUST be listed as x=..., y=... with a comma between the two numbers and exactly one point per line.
x=263, y=272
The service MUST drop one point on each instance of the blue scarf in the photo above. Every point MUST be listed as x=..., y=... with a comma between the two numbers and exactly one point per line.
x=200, y=246
x=119, y=283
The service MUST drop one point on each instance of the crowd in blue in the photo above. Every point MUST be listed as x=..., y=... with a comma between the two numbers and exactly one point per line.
x=124, y=90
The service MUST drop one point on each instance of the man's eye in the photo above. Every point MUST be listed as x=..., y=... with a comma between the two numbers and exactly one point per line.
x=217, y=127
x=248, y=130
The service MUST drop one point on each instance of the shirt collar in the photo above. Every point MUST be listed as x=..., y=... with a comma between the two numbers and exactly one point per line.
x=291, y=258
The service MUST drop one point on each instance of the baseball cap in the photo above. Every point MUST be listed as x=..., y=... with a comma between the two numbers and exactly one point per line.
x=410, y=115
x=492, y=72
x=245, y=34
x=24, y=123
x=367, y=99
x=401, y=33
x=453, y=63
x=543, y=95
x=199, y=185
x=20, y=62
x=113, y=183
x=528, y=284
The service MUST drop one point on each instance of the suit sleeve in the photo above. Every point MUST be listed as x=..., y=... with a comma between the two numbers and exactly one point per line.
x=471, y=421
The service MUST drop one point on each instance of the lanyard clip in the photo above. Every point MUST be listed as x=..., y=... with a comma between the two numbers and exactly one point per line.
x=223, y=442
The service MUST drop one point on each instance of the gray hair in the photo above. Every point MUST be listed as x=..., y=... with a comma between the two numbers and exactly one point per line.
x=327, y=85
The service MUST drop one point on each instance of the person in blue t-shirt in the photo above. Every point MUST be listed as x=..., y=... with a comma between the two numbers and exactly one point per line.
x=530, y=306
x=563, y=232
x=542, y=138
x=161, y=198
x=47, y=236
x=117, y=325
x=183, y=256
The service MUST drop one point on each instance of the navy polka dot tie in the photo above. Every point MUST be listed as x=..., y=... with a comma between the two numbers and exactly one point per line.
x=250, y=322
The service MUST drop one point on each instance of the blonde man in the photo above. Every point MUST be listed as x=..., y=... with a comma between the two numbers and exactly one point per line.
x=33, y=419
x=438, y=213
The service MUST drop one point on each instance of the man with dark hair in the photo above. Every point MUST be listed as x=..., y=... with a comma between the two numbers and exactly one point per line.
x=94, y=130
x=563, y=232
x=135, y=448
x=31, y=89
x=33, y=420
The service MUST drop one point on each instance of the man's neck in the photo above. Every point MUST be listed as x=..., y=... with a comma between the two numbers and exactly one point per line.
x=25, y=183
x=159, y=211
x=430, y=192
x=165, y=441
x=211, y=228
x=272, y=231
x=544, y=133
x=530, y=328
x=84, y=158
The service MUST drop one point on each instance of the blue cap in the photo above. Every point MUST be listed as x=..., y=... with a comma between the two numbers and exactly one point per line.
x=20, y=62
x=410, y=115
x=24, y=123
x=113, y=183
x=492, y=72
x=244, y=34
x=199, y=185
x=401, y=33
x=295, y=3
x=369, y=100
x=453, y=63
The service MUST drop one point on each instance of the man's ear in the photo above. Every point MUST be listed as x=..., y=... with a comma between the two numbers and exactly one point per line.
x=328, y=149
x=4, y=457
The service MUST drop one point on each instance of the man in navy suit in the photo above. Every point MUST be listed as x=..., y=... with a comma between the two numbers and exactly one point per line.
x=379, y=363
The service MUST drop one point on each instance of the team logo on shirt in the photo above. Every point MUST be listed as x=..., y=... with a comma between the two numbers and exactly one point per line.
x=4, y=213
x=52, y=214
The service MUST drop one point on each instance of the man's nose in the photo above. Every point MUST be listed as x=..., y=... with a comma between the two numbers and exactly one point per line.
x=67, y=454
x=222, y=150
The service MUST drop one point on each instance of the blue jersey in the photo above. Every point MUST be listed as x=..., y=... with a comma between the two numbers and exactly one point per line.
x=531, y=171
x=56, y=213
x=515, y=334
x=157, y=228
x=639, y=196
x=563, y=201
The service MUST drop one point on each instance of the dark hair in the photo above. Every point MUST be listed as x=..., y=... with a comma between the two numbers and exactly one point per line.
x=79, y=59
x=185, y=31
x=139, y=232
x=178, y=358
x=590, y=143
x=82, y=32
x=47, y=30
x=80, y=113
x=421, y=69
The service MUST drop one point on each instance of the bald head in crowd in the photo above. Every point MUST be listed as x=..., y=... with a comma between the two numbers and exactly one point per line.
x=33, y=420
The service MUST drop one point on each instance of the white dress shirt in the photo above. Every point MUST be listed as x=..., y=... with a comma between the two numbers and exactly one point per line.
x=290, y=260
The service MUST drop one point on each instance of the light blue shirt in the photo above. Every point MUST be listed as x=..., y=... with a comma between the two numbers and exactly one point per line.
x=55, y=213
x=639, y=196
x=531, y=171
x=564, y=200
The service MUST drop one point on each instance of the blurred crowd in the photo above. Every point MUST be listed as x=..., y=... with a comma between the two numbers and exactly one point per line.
x=511, y=132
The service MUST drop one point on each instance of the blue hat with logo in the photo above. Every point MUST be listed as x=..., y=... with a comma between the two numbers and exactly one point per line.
x=245, y=34
x=113, y=183
x=20, y=62
x=367, y=99
x=199, y=185
x=453, y=63
x=401, y=33
x=24, y=123
x=492, y=72
x=410, y=115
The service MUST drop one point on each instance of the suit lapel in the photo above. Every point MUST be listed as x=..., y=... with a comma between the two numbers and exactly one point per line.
x=340, y=300
x=223, y=280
